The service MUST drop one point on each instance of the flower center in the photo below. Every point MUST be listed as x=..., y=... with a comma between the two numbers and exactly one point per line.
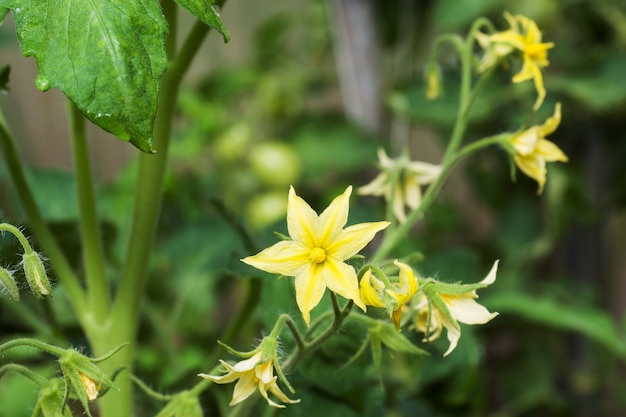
x=317, y=255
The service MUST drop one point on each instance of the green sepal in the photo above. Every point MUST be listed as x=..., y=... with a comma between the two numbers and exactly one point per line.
x=8, y=284
x=208, y=13
x=456, y=288
x=435, y=299
x=51, y=400
x=184, y=404
x=395, y=340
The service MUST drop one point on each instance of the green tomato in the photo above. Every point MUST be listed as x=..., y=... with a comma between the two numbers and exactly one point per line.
x=266, y=209
x=230, y=146
x=275, y=163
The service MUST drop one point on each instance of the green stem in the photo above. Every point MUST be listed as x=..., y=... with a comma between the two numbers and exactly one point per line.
x=24, y=371
x=34, y=343
x=7, y=227
x=93, y=253
x=62, y=268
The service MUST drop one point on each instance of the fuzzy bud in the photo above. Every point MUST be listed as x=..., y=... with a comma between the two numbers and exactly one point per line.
x=36, y=276
x=8, y=284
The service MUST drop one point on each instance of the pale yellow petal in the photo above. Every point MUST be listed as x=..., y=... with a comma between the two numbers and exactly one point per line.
x=526, y=73
x=465, y=309
x=377, y=187
x=552, y=123
x=286, y=257
x=541, y=91
x=525, y=142
x=352, y=239
x=491, y=276
x=425, y=172
x=246, y=385
x=310, y=288
x=274, y=389
x=412, y=192
x=454, y=335
x=333, y=219
x=265, y=372
x=384, y=160
x=550, y=152
x=341, y=278
x=534, y=167
x=398, y=203
x=302, y=221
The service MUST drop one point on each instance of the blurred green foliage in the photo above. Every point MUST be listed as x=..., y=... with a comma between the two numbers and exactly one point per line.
x=553, y=351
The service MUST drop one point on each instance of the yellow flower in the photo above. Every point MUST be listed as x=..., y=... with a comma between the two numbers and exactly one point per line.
x=524, y=36
x=438, y=307
x=375, y=293
x=433, y=82
x=251, y=375
x=317, y=250
x=401, y=181
x=533, y=150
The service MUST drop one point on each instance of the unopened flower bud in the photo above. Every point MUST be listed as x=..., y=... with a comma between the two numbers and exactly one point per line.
x=36, y=276
x=433, y=81
x=8, y=284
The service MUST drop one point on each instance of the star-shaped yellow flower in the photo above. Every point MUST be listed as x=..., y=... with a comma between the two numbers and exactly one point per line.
x=317, y=250
x=524, y=36
x=441, y=308
x=252, y=375
x=401, y=180
x=533, y=150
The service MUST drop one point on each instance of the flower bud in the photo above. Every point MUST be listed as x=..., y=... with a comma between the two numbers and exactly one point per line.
x=35, y=273
x=8, y=284
x=433, y=81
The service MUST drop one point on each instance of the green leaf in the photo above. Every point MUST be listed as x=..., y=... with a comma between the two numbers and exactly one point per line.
x=544, y=309
x=107, y=57
x=208, y=13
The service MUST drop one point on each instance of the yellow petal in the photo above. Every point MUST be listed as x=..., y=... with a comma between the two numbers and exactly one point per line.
x=525, y=142
x=408, y=283
x=246, y=385
x=465, y=309
x=552, y=123
x=454, y=335
x=378, y=186
x=398, y=203
x=550, y=152
x=302, y=221
x=286, y=257
x=333, y=219
x=369, y=294
x=310, y=288
x=353, y=238
x=491, y=276
x=534, y=167
x=341, y=279
x=412, y=192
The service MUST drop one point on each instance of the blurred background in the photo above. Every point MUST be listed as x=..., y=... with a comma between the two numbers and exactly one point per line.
x=304, y=94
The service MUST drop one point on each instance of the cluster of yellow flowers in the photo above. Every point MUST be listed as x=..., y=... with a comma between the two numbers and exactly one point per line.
x=315, y=255
x=318, y=246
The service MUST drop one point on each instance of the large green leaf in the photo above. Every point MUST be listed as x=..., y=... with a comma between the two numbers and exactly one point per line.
x=208, y=13
x=106, y=56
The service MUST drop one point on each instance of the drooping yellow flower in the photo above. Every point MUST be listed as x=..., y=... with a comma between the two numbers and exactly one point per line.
x=401, y=180
x=438, y=307
x=252, y=374
x=533, y=150
x=375, y=293
x=524, y=36
x=317, y=250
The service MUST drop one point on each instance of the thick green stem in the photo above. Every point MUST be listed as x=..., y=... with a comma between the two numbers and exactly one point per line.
x=147, y=205
x=93, y=253
x=53, y=252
